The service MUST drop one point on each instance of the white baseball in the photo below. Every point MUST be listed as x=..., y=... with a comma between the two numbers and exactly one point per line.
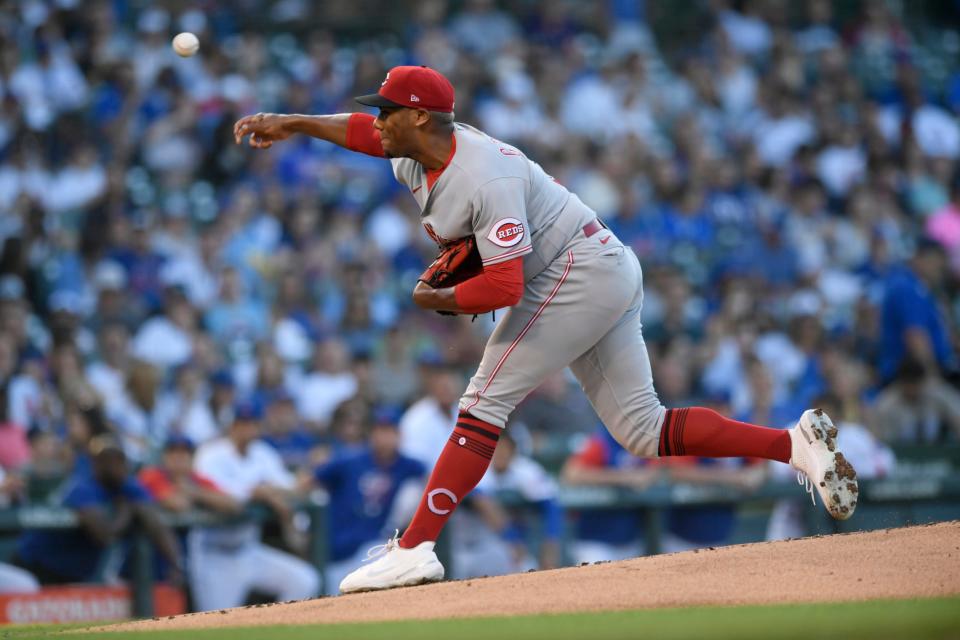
x=186, y=44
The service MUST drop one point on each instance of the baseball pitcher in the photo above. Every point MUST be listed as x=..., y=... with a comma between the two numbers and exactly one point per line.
x=511, y=236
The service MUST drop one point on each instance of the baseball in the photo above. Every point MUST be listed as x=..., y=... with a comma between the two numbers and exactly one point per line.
x=186, y=44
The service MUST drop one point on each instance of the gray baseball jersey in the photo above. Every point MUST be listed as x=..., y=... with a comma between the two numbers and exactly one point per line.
x=492, y=191
x=582, y=295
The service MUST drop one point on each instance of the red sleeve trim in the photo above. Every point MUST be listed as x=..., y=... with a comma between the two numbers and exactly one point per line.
x=362, y=137
x=500, y=285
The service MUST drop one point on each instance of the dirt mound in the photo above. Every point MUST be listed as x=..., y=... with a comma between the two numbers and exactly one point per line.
x=893, y=563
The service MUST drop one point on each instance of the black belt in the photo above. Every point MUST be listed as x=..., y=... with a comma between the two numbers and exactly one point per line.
x=593, y=227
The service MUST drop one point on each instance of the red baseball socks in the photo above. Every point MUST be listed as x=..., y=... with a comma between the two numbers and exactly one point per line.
x=461, y=465
x=697, y=431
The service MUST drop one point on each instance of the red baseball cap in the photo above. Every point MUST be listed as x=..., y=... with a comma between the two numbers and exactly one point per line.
x=414, y=88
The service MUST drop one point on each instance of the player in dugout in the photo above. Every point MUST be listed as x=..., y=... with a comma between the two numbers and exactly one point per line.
x=575, y=294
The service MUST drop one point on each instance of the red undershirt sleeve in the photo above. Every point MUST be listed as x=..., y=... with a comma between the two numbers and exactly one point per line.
x=500, y=285
x=362, y=137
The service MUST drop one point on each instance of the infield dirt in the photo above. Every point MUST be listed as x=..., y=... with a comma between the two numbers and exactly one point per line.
x=910, y=562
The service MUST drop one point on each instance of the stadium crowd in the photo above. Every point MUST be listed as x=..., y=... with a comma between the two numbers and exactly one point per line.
x=236, y=325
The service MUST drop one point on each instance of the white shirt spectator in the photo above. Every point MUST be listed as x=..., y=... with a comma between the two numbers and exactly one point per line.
x=44, y=90
x=936, y=131
x=162, y=343
x=75, y=187
x=32, y=180
x=291, y=340
x=320, y=393
x=138, y=428
x=747, y=34
x=737, y=88
x=839, y=168
x=110, y=383
x=226, y=562
x=515, y=115
x=525, y=476
x=389, y=229
x=591, y=107
x=188, y=271
x=238, y=475
x=778, y=139
x=191, y=417
x=424, y=430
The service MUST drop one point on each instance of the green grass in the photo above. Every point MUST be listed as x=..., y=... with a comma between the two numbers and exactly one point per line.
x=913, y=619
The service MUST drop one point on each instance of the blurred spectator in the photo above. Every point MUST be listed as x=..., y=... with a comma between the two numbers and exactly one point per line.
x=108, y=373
x=177, y=487
x=482, y=29
x=513, y=472
x=223, y=394
x=917, y=407
x=372, y=492
x=426, y=425
x=234, y=316
x=135, y=412
x=914, y=326
x=185, y=409
x=554, y=412
x=610, y=534
x=328, y=384
x=108, y=502
x=228, y=561
x=395, y=373
x=166, y=340
x=347, y=427
x=283, y=430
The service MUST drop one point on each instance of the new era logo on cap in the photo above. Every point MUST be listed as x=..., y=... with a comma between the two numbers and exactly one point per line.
x=413, y=87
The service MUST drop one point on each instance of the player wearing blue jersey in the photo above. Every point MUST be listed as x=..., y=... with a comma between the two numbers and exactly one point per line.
x=368, y=489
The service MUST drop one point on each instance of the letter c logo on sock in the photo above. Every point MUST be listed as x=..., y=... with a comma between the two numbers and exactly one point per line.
x=443, y=492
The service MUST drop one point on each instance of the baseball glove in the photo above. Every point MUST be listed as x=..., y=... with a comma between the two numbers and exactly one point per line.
x=457, y=262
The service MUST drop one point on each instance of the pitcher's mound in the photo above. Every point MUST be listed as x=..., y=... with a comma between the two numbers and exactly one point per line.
x=919, y=561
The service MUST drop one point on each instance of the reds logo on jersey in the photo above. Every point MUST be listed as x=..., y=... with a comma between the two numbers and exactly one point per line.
x=506, y=232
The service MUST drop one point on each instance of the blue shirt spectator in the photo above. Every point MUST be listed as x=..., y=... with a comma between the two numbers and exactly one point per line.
x=103, y=500
x=363, y=487
x=911, y=315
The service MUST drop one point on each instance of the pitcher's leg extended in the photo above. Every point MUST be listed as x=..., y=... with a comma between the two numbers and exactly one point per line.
x=616, y=376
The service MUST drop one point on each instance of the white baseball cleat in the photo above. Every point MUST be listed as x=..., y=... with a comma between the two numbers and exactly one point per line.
x=814, y=454
x=395, y=567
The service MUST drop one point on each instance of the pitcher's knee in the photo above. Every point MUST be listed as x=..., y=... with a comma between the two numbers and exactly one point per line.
x=639, y=430
x=485, y=408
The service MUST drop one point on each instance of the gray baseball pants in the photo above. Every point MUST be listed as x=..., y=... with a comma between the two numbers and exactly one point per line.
x=583, y=310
